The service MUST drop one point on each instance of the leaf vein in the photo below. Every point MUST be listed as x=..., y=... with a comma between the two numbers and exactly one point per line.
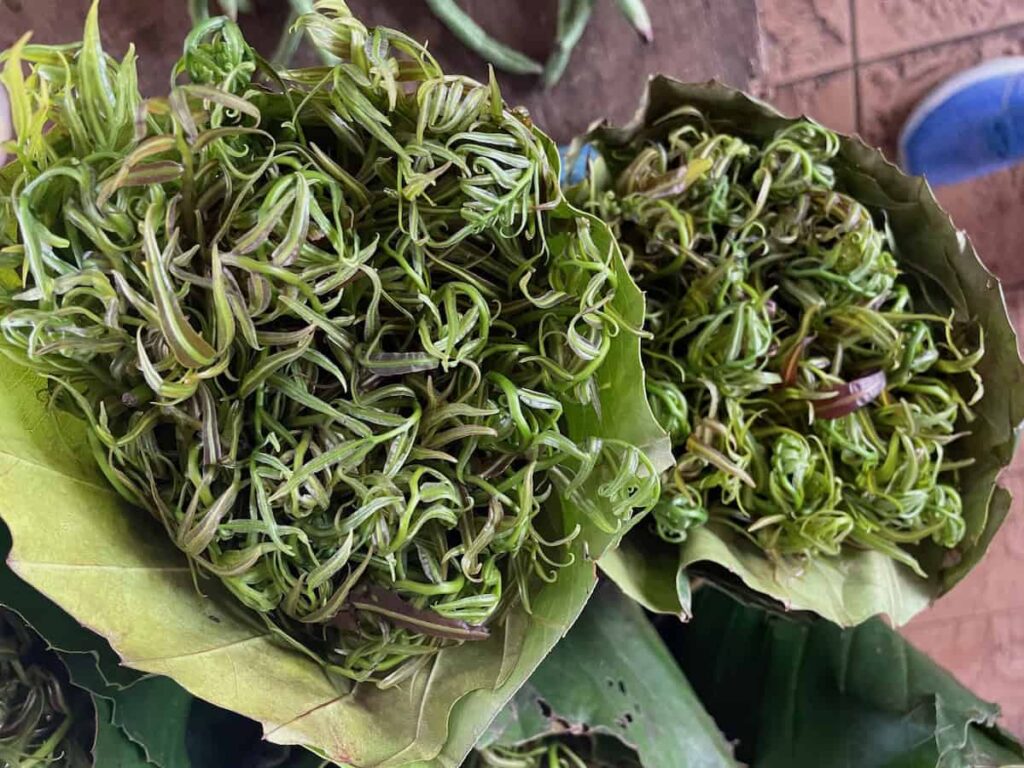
x=81, y=481
x=17, y=564
x=200, y=652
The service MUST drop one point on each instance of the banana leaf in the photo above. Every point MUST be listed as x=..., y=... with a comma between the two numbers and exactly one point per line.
x=112, y=746
x=613, y=676
x=941, y=261
x=152, y=714
x=792, y=694
x=114, y=570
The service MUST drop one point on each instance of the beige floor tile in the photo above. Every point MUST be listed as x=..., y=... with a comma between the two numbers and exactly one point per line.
x=984, y=653
x=829, y=99
x=991, y=210
x=976, y=631
x=804, y=37
x=885, y=27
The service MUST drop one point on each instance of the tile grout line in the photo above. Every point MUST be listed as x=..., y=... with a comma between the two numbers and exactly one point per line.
x=858, y=121
x=1019, y=24
x=806, y=78
x=856, y=63
x=923, y=620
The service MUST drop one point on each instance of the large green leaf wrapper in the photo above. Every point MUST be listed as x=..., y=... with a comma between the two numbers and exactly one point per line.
x=115, y=570
x=809, y=694
x=944, y=269
x=613, y=676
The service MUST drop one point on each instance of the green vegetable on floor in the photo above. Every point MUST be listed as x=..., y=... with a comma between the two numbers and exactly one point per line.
x=572, y=19
x=473, y=36
x=322, y=328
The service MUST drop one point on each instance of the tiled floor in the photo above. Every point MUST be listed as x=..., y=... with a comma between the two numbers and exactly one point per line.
x=862, y=65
